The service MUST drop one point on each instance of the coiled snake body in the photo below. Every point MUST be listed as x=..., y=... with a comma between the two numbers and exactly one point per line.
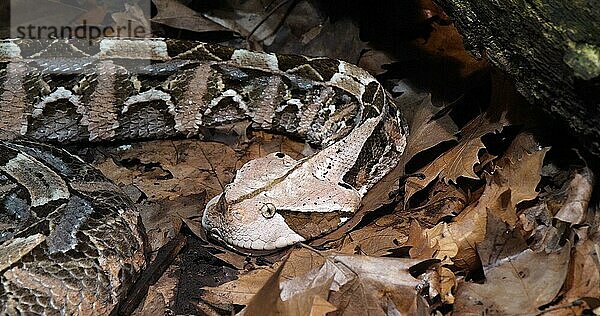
x=69, y=239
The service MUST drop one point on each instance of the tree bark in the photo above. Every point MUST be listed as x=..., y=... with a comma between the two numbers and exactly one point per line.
x=550, y=48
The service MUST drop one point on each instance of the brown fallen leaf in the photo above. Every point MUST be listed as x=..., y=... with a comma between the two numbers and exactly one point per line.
x=300, y=261
x=448, y=285
x=436, y=242
x=427, y=128
x=443, y=200
x=311, y=300
x=250, y=18
x=159, y=295
x=512, y=184
x=238, y=292
x=460, y=159
x=379, y=286
x=133, y=18
x=171, y=169
x=461, y=235
x=420, y=243
x=376, y=238
x=175, y=14
x=578, y=194
x=583, y=282
x=372, y=60
x=500, y=242
x=533, y=277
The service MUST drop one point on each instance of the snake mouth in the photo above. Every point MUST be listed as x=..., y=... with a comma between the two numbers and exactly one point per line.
x=215, y=236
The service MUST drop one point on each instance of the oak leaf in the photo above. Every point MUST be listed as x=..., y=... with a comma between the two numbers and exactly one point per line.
x=459, y=160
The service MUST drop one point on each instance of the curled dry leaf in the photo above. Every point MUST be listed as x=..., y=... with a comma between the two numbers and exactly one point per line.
x=579, y=192
x=461, y=235
x=500, y=242
x=511, y=183
x=426, y=130
x=436, y=242
x=159, y=294
x=246, y=17
x=387, y=232
x=171, y=169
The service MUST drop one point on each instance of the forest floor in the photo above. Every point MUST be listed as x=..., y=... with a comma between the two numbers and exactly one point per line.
x=491, y=210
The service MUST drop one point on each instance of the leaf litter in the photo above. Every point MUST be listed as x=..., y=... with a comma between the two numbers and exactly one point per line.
x=495, y=218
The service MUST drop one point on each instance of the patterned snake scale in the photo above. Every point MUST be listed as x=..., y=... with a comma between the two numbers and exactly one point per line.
x=70, y=240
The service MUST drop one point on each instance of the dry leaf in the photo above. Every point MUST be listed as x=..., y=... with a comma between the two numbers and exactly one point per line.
x=534, y=279
x=305, y=300
x=420, y=245
x=500, y=242
x=174, y=14
x=579, y=192
x=583, y=281
x=160, y=295
x=379, y=286
x=132, y=19
x=171, y=169
x=467, y=229
x=459, y=160
x=513, y=181
x=299, y=262
x=447, y=285
x=373, y=59
x=250, y=17
x=425, y=131
x=239, y=291
x=376, y=238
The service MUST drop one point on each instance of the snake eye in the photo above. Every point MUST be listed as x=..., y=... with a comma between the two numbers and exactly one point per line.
x=268, y=210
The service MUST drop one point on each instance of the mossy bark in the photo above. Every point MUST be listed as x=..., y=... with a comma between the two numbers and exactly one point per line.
x=551, y=49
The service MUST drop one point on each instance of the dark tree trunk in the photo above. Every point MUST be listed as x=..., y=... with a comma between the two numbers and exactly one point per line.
x=550, y=48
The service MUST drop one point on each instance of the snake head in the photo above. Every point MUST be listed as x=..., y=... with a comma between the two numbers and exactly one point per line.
x=247, y=225
x=245, y=215
x=276, y=201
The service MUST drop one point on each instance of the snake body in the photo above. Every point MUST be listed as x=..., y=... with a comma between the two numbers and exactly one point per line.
x=55, y=230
